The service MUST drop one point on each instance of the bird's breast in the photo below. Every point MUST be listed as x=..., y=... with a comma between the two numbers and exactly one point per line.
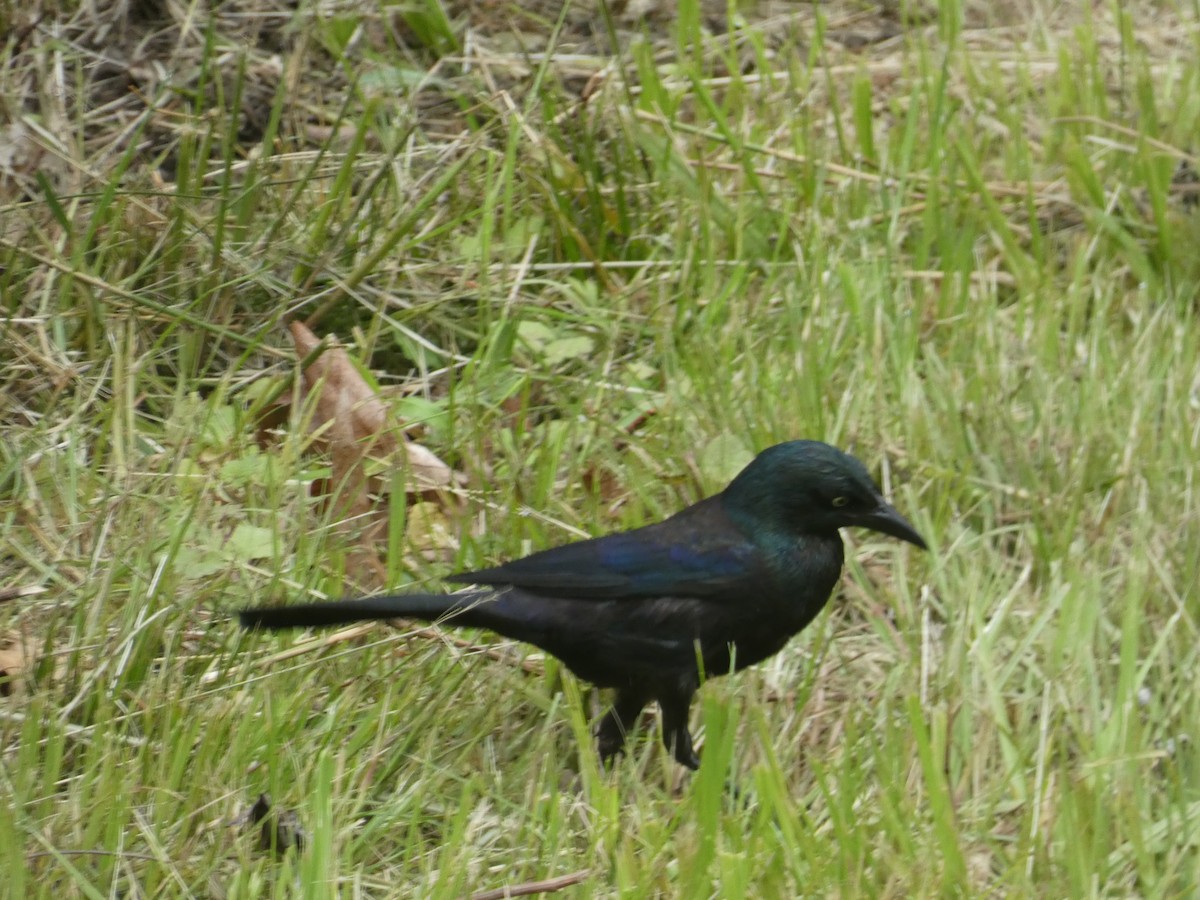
x=796, y=586
x=807, y=571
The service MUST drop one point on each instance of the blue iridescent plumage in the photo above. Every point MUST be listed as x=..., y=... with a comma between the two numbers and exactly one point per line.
x=717, y=587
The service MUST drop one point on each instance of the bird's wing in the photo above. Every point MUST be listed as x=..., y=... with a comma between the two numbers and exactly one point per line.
x=697, y=553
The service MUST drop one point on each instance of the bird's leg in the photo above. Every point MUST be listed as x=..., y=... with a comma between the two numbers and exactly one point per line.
x=676, y=736
x=618, y=722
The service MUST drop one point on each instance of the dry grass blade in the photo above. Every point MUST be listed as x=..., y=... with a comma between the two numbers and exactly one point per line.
x=528, y=888
x=957, y=239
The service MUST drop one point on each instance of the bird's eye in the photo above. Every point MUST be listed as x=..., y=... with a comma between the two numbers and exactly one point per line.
x=839, y=502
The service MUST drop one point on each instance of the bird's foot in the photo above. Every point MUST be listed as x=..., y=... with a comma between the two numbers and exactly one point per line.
x=679, y=743
x=609, y=755
x=691, y=760
x=610, y=740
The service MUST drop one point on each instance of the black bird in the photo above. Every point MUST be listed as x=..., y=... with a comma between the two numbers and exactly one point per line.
x=721, y=585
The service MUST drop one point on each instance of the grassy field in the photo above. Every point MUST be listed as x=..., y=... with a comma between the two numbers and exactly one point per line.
x=595, y=261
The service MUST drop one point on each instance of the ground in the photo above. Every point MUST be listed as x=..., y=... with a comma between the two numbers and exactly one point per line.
x=593, y=258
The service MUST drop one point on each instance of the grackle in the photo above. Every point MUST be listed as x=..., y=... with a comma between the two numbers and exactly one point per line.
x=721, y=585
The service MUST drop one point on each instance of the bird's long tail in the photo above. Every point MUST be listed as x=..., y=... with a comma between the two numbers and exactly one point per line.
x=425, y=607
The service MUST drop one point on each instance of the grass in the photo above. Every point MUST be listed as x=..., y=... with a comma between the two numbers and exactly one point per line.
x=966, y=251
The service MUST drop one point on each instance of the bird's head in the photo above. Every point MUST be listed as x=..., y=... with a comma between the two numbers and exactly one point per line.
x=808, y=487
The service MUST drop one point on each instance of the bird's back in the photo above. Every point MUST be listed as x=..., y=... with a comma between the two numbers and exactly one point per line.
x=699, y=552
x=637, y=604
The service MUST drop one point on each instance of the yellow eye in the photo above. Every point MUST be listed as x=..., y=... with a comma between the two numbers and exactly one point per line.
x=839, y=502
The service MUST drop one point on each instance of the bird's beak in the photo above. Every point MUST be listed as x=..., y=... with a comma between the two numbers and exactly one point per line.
x=884, y=518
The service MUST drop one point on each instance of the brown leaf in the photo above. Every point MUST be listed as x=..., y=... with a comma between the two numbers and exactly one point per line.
x=16, y=659
x=17, y=592
x=429, y=533
x=354, y=423
x=346, y=404
x=353, y=420
x=427, y=469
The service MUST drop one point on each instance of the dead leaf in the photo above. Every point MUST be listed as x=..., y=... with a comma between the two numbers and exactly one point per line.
x=429, y=532
x=357, y=419
x=427, y=469
x=16, y=659
x=17, y=592
x=356, y=426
